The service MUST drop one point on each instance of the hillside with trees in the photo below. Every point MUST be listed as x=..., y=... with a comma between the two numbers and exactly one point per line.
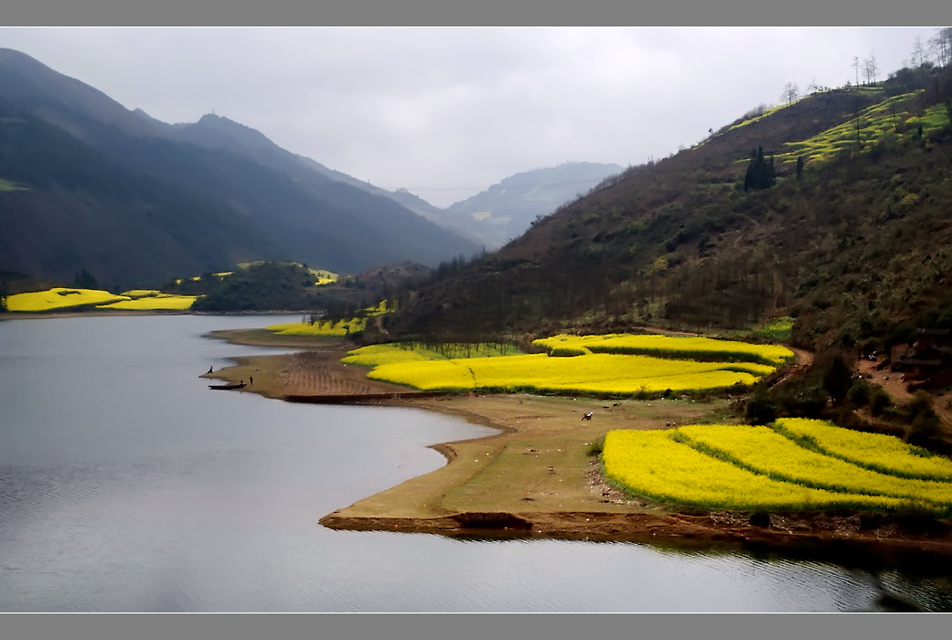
x=86, y=184
x=838, y=218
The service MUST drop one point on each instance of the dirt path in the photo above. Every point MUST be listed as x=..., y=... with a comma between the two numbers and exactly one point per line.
x=891, y=382
x=897, y=388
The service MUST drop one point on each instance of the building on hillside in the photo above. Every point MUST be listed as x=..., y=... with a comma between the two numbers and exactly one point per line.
x=928, y=360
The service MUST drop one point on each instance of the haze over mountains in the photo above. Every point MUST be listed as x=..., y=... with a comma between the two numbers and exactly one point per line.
x=88, y=185
x=506, y=209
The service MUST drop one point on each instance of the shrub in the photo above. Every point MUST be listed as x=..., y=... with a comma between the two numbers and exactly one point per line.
x=760, y=408
x=859, y=393
x=802, y=401
x=925, y=426
x=879, y=402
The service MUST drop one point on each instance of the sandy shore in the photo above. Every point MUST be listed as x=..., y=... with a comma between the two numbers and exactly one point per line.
x=537, y=476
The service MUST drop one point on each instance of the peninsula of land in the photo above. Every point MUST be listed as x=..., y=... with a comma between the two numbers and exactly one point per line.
x=539, y=475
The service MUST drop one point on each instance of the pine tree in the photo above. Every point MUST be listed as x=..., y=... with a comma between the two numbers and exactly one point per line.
x=760, y=172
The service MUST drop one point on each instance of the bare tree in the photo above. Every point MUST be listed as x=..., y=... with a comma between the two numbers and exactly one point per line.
x=869, y=66
x=918, y=53
x=856, y=68
x=790, y=93
x=940, y=46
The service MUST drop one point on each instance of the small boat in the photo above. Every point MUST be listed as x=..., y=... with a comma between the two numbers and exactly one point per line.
x=238, y=385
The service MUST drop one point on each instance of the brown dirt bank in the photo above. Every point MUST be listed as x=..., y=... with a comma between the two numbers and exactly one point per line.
x=537, y=478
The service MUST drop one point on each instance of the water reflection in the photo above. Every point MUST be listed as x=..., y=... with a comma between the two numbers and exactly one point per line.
x=126, y=486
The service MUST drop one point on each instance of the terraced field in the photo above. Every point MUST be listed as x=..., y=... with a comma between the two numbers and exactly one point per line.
x=756, y=468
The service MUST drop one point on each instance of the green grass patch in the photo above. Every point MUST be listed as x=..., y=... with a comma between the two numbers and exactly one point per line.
x=889, y=119
x=777, y=329
x=765, y=114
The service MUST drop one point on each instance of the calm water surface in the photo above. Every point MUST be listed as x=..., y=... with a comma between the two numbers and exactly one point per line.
x=126, y=485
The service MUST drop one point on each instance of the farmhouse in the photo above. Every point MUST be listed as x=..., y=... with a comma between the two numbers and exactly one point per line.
x=928, y=360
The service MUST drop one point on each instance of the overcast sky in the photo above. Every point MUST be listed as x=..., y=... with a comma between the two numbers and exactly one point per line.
x=447, y=112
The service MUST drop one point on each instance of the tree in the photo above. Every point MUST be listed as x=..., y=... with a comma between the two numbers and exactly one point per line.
x=790, y=93
x=940, y=46
x=85, y=280
x=918, y=53
x=871, y=69
x=760, y=171
x=837, y=376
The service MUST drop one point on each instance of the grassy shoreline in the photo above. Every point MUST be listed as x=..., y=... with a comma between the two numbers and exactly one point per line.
x=536, y=477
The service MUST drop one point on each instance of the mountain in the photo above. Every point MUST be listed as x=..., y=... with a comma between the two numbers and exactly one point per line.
x=402, y=197
x=850, y=236
x=506, y=209
x=87, y=184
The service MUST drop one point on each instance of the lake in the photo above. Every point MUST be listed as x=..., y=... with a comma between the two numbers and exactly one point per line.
x=127, y=485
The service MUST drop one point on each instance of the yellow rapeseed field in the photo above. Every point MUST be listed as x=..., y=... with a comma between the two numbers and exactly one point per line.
x=652, y=464
x=876, y=451
x=379, y=354
x=763, y=450
x=590, y=374
x=336, y=328
x=695, y=348
x=155, y=302
x=62, y=298
x=329, y=328
x=59, y=298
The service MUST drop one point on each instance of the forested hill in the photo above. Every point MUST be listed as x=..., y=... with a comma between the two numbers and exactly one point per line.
x=834, y=209
x=87, y=185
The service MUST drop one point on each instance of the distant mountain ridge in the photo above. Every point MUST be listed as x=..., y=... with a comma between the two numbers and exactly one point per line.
x=506, y=209
x=133, y=200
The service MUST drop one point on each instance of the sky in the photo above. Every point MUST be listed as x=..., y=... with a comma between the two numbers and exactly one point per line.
x=446, y=112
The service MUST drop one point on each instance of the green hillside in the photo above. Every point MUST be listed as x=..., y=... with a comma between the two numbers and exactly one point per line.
x=851, y=240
